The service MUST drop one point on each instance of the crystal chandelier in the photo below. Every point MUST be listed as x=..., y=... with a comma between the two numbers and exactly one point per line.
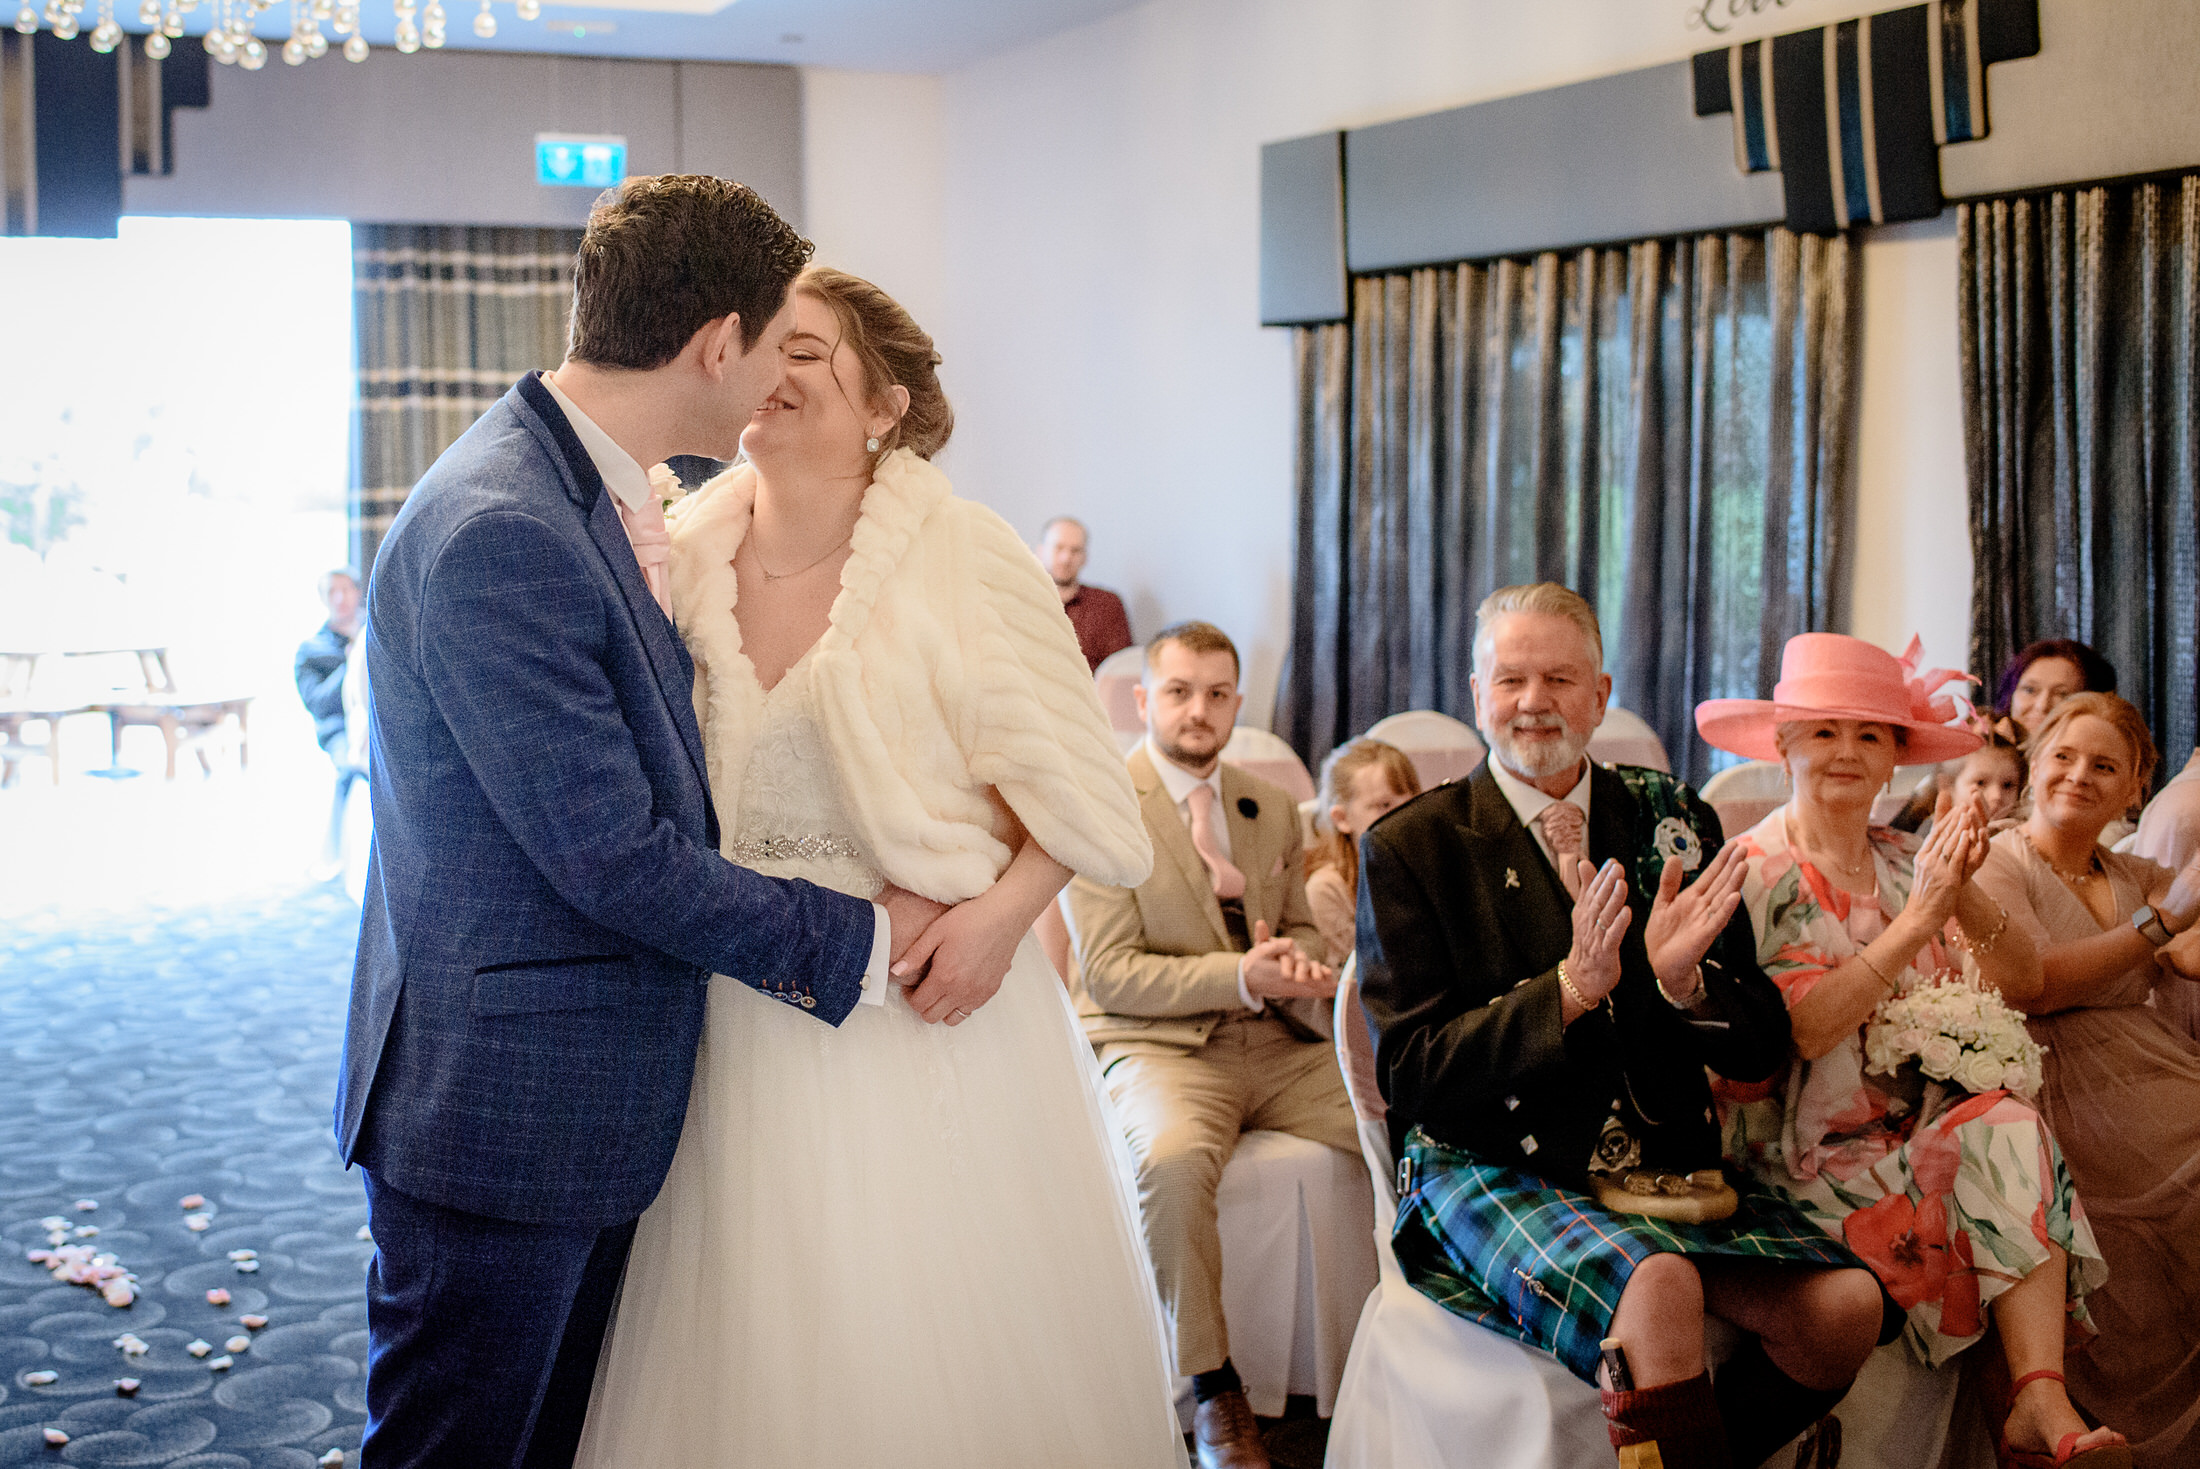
x=229, y=39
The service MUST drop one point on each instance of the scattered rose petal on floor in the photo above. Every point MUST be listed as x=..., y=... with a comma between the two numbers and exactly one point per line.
x=38, y=1257
x=238, y=1344
x=193, y=1201
x=44, y=1377
x=85, y=1231
x=248, y=1267
x=200, y=1347
x=197, y=1223
x=221, y=1364
x=86, y=1206
x=131, y=1345
x=118, y=1293
x=56, y=1437
x=217, y=1297
x=126, y=1387
x=244, y=1254
x=333, y=1459
x=253, y=1323
x=366, y=1233
x=53, y=1221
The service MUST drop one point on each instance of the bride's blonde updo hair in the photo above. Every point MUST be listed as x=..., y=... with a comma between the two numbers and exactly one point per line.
x=892, y=349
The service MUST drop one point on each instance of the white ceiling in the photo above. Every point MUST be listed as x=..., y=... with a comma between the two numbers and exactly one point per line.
x=865, y=35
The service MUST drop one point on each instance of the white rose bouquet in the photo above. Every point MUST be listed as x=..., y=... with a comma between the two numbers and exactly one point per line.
x=1957, y=1032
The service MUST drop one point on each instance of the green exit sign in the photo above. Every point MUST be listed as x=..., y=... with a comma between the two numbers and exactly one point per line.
x=589, y=163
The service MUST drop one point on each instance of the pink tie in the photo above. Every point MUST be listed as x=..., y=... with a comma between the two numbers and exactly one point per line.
x=645, y=529
x=1562, y=823
x=1228, y=881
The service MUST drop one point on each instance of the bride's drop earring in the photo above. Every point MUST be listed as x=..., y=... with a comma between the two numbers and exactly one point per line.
x=871, y=444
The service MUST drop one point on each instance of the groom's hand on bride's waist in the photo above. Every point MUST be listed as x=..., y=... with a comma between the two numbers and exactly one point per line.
x=908, y=915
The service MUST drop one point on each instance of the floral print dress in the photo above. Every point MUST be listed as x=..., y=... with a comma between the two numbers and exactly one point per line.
x=1948, y=1213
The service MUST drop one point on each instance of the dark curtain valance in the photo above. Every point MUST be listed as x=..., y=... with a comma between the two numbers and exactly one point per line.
x=2081, y=408
x=1662, y=426
x=446, y=317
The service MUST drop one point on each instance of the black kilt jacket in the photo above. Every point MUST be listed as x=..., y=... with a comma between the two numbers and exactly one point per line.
x=1462, y=924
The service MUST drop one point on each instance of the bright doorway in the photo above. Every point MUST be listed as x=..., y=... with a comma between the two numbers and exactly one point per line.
x=174, y=461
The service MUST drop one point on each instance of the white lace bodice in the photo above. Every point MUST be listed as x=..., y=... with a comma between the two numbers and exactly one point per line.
x=791, y=817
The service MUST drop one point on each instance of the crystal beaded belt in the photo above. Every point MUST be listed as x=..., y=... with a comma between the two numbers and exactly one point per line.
x=751, y=850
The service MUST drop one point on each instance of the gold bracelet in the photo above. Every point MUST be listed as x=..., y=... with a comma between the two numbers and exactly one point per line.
x=1866, y=960
x=1567, y=984
x=1980, y=948
x=1691, y=1001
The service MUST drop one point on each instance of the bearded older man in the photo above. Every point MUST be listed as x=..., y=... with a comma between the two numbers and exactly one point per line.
x=1551, y=956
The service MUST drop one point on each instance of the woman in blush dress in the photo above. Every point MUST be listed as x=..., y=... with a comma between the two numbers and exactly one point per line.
x=907, y=1241
x=2122, y=1090
x=1967, y=1216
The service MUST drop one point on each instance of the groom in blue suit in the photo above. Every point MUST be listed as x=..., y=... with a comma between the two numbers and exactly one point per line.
x=546, y=901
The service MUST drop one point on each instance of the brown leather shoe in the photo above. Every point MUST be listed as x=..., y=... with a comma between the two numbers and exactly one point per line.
x=1226, y=1434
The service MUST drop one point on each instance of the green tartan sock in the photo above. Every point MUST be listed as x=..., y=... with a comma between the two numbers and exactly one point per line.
x=1675, y=1425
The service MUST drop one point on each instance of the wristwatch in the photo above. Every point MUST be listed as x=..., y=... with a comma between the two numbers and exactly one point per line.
x=2150, y=924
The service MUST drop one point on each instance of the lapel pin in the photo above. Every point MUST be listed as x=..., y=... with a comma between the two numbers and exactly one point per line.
x=1248, y=807
x=1512, y=878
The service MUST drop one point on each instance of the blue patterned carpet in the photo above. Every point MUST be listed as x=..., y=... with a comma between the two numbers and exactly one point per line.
x=143, y=1060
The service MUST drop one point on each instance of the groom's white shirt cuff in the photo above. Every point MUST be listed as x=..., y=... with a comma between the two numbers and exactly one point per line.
x=630, y=482
x=876, y=981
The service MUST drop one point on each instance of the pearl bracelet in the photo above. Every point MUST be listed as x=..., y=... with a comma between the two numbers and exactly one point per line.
x=1980, y=948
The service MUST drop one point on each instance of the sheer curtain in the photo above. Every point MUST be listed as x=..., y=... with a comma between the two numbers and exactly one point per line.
x=2081, y=412
x=1663, y=426
x=447, y=317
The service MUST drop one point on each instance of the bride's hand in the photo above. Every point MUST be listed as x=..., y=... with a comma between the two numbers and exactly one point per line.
x=968, y=950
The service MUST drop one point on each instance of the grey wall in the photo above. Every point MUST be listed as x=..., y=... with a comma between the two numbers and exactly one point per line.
x=448, y=137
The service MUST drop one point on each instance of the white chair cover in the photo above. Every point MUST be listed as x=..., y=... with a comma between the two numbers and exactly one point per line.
x=1624, y=739
x=1745, y=794
x=1268, y=756
x=1441, y=748
x=1425, y=1389
x=1115, y=681
x=1297, y=1264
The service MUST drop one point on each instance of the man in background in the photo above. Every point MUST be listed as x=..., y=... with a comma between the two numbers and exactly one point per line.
x=1205, y=993
x=319, y=669
x=1103, y=627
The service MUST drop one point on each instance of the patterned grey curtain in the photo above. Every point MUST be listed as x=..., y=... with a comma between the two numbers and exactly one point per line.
x=2081, y=420
x=447, y=318
x=1662, y=426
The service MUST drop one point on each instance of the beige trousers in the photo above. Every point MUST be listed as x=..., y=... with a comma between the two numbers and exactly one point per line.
x=1183, y=1114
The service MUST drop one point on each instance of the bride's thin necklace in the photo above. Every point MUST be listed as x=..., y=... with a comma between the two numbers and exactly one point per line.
x=771, y=575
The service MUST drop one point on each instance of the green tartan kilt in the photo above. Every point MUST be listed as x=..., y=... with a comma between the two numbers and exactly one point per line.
x=1546, y=1265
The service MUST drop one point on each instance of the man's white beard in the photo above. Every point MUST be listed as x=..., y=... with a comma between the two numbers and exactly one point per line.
x=1561, y=756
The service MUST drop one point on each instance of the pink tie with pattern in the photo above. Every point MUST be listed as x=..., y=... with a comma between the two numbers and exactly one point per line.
x=1228, y=881
x=1562, y=824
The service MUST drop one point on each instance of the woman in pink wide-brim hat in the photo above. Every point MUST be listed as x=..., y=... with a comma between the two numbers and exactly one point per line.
x=1846, y=915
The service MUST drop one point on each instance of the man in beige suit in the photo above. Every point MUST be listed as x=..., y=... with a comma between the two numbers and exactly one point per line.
x=1204, y=992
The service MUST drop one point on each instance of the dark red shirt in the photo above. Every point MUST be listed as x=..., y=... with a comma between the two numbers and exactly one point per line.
x=1103, y=627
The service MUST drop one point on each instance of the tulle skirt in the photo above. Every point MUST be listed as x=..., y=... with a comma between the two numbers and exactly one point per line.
x=890, y=1244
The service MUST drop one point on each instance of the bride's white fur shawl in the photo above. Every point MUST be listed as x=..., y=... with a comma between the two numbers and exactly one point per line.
x=948, y=666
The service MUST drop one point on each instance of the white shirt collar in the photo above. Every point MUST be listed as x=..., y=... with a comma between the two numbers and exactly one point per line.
x=621, y=475
x=1178, y=781
x=1528, y=802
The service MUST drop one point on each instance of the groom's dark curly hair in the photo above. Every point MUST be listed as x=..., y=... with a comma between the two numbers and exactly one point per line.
x=664, y=255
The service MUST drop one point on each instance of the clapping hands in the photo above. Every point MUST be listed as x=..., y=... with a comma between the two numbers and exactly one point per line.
x=1274, y=969
x=1601, y=916
x=1951, y=856
x=1685, y=922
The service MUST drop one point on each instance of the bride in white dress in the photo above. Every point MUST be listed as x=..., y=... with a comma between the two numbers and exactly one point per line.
x=905, y=1241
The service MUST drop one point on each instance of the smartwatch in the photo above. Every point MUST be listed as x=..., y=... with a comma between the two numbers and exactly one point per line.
x=2150, y=924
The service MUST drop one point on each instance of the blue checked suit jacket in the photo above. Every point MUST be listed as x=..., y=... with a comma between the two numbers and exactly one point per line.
x=545, y=900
